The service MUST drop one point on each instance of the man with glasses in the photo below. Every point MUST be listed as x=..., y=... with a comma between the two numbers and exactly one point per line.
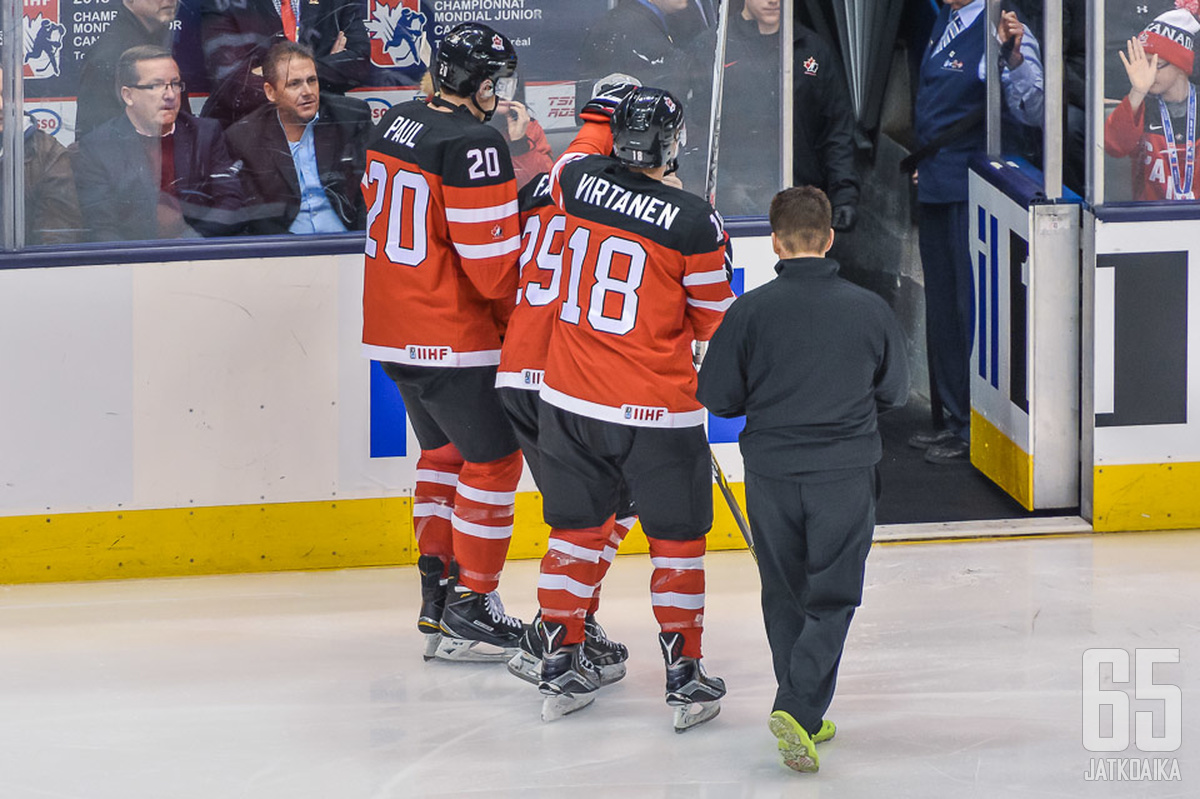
x=137, y=22
x=302, y=156
x=153, y=172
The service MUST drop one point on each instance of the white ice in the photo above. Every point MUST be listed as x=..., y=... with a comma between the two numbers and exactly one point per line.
x=962, y=678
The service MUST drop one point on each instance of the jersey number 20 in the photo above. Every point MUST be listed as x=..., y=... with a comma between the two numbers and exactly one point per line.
x=406, y=197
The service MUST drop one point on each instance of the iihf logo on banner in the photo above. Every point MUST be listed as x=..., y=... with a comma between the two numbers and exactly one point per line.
x=44, y=36
x=397, y=30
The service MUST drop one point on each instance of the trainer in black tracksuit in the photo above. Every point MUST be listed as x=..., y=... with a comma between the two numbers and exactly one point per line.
x=810, y=359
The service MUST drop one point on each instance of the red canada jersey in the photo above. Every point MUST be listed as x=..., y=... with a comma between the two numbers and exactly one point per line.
x=643, y=276
x=1139, y=135
x=523, y=357
x=443, y=237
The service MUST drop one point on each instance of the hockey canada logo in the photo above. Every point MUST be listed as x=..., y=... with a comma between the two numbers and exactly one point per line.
x=398, y=33
x=811, y=66
x=44, y=37
x=497, y=43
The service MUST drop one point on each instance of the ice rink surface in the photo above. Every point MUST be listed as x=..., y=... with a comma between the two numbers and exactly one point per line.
x=962, y=678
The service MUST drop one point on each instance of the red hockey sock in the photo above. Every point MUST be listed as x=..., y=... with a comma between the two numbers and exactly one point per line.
x=570, y=574
x=483, y=520
x=621, y=528
x=433, y=500
x=677, y=589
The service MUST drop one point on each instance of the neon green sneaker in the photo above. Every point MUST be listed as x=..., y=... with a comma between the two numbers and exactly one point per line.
x=796, y=749
x=827, y=731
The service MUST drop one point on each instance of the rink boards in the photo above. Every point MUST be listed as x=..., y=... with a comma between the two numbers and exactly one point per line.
x=216, y=416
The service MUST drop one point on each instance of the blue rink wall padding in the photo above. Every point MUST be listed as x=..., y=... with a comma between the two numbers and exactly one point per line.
x=389, y=436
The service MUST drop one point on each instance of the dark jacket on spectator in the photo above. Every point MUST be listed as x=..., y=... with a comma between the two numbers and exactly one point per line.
x=237, y=34
x=268, y=172
x=119, y=189
x=634, y=39
x=98, y=99
x=823, y=121
x=51, y=210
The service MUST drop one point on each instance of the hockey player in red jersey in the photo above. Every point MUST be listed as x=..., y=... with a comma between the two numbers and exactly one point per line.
x=522, y=363
x=443, y=239
x=643, y=277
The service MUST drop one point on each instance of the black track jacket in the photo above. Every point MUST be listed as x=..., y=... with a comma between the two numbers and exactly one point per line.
x=810, y=359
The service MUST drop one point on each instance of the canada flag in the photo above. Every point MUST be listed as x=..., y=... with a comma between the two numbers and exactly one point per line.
x=398, y=33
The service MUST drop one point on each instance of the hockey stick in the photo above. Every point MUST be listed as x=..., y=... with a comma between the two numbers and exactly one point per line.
x=710, y=193
x=739, y=518
x=714, y=117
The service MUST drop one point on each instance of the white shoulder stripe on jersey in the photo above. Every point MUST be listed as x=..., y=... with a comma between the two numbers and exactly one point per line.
x=433, y=476
x=673, y=599
x=605, y=413
x=565, y=159
x=475, y=251
x=489, y=214
x=723, y=305
x=505, y=498
x=704, y=278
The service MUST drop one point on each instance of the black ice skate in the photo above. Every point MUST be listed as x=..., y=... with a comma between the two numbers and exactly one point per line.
x=695, y=696
x=475, y=628
x=433, y=601
x=569, y=680
x=606, y=655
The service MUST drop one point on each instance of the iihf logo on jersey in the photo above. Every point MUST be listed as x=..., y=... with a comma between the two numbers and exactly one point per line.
x=811, y=66
x=44, y=38
x=398, y=33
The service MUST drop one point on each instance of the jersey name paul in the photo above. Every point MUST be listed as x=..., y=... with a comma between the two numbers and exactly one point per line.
x=404, y=131
x=595, y=190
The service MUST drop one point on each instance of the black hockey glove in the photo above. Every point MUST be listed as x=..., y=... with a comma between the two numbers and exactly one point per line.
x=844, y=218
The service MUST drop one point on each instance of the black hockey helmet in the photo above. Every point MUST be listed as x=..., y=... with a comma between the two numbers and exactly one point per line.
x=647, y=128
x=470, y=54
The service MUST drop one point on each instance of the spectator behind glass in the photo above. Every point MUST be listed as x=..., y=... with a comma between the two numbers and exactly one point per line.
x=237, y=34
x=154, y=173
x=51, y=210
x=823, y=127
x=1155, y=124
x=137, y=22
x=636, y=38
x=527, y=143
x=304, y=154
x=749, y=173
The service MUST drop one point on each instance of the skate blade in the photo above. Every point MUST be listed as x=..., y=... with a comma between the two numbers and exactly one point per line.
x=612, y=673
x=464, y=650
x=559, y=705
x=526, y=667
x=690, y=715
x=431, y=645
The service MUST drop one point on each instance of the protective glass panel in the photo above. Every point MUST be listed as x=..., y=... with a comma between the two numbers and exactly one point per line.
x=197, y=134
x=1019, y=31
x=1149, y=74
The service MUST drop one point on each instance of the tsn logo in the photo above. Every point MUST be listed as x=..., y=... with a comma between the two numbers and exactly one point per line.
x=643, y=413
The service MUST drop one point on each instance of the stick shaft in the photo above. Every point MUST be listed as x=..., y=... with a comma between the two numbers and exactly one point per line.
x=714, y=116
x=739, y=517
